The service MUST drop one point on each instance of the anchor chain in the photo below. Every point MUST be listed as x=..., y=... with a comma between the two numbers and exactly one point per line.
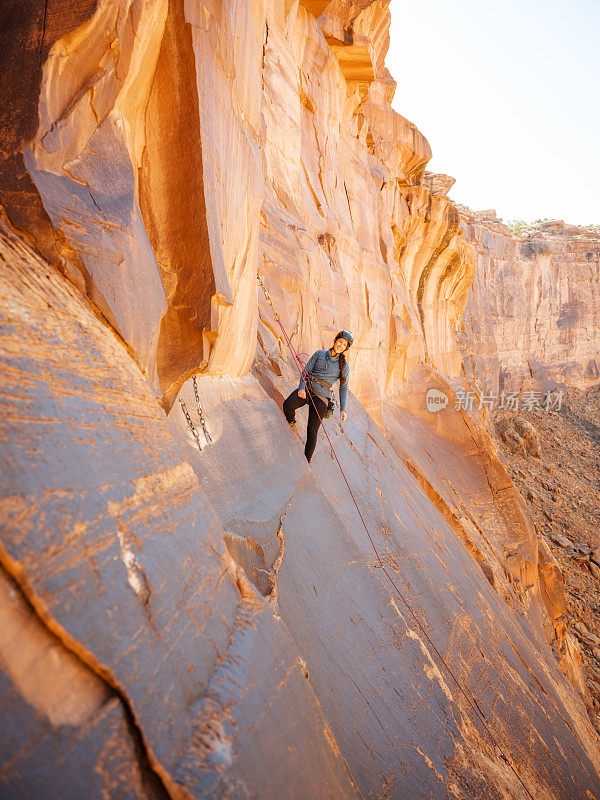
x=268, y=296
x=194, y=430
x=200, y=414
x=261, y=283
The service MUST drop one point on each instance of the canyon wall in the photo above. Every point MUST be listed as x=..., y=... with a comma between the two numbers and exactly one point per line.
x=216, y=621
x=532, y=317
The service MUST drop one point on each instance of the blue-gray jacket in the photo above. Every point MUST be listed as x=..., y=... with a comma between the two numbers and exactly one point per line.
x=327, y=368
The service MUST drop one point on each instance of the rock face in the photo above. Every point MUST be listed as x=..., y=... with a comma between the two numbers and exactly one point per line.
x=559, y=480
x=131, y=645
x=219, y=622
x=532, y=317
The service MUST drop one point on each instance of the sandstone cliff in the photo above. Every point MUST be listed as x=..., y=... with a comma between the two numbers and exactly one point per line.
x=214, y=622
x=532, y=318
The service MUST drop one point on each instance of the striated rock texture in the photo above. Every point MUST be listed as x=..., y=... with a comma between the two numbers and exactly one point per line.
x=532, y=321
x=135, y=658
x=213, y=623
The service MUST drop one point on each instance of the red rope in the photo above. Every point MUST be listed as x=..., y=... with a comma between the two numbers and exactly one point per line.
x=472, y=702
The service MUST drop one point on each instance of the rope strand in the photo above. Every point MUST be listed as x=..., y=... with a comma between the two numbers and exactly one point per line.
x=471, y=701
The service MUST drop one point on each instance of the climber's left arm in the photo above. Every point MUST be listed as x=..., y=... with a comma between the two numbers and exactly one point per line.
x=344, y=392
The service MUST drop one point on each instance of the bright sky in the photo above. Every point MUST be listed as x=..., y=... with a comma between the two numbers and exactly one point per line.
x=508, y=96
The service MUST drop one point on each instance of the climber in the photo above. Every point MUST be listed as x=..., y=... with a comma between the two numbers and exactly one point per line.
x=323, y=369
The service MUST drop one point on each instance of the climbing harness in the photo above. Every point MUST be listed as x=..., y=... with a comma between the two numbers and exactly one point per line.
x=308, y=379
x=470, y=700
x=195, y=431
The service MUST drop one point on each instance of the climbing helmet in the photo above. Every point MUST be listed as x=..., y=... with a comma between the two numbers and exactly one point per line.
x=345, y=335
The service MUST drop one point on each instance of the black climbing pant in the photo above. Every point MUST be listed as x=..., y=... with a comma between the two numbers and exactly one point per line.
x=314, y=423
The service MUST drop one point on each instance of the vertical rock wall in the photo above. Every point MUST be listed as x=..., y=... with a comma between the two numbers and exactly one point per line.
x=223, y=613
x=531, y=321
x=135, y=659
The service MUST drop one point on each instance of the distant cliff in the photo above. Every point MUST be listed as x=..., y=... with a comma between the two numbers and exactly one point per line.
x=533, y=314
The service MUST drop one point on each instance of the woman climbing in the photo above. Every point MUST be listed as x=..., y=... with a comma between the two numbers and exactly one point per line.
x=323, y=369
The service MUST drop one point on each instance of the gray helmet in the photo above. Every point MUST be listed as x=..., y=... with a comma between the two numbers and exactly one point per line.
x=345, y=335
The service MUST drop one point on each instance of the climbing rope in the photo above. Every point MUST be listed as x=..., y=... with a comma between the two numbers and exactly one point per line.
x=195, y=431
x=470, y=700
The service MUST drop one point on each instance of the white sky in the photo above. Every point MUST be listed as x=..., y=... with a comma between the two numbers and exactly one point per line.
x=508, y=96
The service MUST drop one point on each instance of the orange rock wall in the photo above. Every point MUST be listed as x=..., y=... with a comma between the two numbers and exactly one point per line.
x=351, y=237
x=182, y=147
x=279, y=126
x=532, y=320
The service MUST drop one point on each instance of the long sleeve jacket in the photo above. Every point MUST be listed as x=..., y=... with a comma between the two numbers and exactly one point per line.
x=325, y=367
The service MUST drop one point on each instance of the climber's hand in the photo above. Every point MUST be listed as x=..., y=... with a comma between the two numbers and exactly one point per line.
x=343, y=416
x=302, y=394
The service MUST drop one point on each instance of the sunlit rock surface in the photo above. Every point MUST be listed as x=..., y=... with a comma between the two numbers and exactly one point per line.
x=217, y=622
x=533, y=316
x=140, y=647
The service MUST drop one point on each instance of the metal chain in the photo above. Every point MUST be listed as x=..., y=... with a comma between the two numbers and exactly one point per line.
x=267, y=295
x=200, y=414
x=193, y=428
x=277, y=317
